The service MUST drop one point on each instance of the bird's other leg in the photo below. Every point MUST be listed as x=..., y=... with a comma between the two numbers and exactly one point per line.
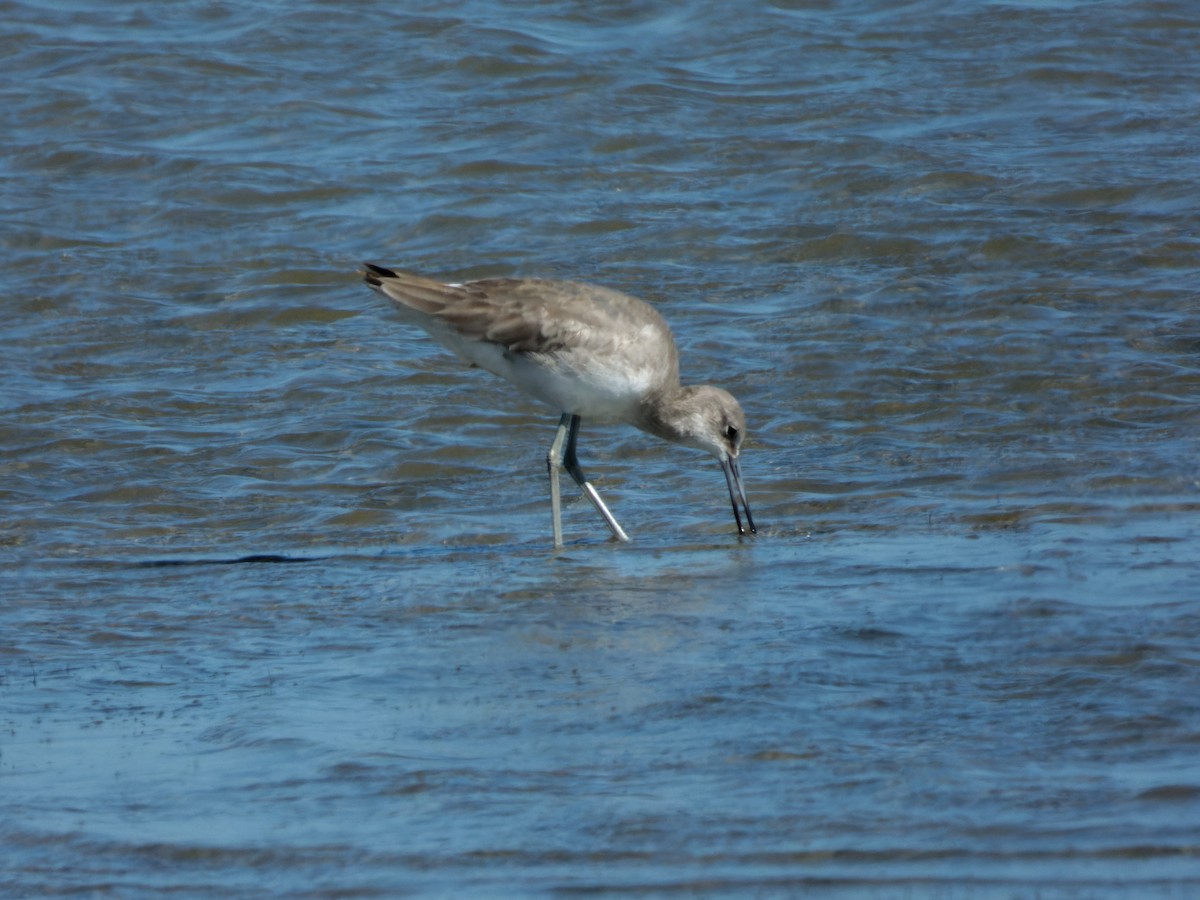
x=571, y=463
x=553, y=464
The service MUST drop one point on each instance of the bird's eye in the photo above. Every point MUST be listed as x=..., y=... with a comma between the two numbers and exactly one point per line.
x=731, y=433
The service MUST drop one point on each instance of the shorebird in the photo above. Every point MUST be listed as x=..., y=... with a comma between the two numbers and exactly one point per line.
x=584, y=350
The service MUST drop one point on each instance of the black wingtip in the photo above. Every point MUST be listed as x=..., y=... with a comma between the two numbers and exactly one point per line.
x=374, y=273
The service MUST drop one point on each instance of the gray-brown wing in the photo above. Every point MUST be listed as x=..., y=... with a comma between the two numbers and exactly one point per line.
x=524, y=315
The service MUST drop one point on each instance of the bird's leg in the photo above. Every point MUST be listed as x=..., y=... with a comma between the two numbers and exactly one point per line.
x=553, y=464
x=571, y=463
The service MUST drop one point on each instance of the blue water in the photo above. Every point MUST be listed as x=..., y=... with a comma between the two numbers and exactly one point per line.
x=279, y=614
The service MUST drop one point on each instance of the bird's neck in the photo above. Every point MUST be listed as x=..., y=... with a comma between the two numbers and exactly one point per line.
x=665, y=413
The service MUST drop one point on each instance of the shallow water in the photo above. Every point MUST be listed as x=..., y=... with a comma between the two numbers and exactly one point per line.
x=280, y=615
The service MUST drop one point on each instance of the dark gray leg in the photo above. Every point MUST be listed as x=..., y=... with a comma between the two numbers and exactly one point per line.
x=565, y=457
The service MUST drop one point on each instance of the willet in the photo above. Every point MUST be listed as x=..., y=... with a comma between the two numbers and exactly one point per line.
x=584, y=350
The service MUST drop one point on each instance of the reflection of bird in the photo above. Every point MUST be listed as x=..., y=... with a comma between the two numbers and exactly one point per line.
x=584, y=350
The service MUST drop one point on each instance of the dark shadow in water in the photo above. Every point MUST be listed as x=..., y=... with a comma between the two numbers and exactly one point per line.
x=252, y=558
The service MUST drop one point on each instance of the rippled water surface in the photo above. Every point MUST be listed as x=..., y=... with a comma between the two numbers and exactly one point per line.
x=278, y=609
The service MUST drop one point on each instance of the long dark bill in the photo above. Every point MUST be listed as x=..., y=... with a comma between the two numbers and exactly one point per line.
x=733, y=478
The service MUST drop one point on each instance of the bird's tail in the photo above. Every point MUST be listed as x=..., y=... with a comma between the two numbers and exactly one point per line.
x=414, y=291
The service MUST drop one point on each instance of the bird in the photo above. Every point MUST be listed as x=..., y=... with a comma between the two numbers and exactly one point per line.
x=585, y=351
